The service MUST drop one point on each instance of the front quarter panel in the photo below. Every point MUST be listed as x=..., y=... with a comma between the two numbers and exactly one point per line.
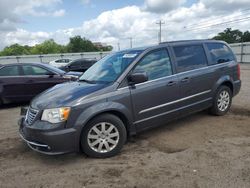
x=84, y=115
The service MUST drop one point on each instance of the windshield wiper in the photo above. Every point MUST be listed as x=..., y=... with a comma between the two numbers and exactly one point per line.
x=87, y=81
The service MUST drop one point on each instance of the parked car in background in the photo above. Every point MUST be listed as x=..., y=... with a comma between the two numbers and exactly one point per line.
x=60, y=62
x=129, y=91
x=80, y=65
x=22, y=81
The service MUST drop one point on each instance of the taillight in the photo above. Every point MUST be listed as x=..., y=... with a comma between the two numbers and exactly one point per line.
x=238, y=71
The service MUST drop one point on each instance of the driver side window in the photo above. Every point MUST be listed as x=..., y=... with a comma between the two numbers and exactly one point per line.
x=156, y=64
x=34, y=71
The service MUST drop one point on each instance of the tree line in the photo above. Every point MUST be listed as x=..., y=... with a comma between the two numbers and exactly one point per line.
x=233, y=36
x=79, y=44
x=76, y=44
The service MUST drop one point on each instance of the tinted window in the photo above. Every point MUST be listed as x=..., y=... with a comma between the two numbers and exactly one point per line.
x=156, y=64
x=190, y=57
x=33, y=70
x=77, y=63
x=9, y=71
x=220, y=53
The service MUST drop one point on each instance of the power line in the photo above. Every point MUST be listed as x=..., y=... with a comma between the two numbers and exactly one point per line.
x=219, y=24
x=243, y=12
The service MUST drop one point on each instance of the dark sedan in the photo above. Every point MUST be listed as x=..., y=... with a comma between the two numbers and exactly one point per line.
x=21, y=82
x=80, y=65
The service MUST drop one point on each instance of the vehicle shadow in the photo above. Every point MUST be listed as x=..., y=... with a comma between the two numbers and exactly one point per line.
x=13, y=105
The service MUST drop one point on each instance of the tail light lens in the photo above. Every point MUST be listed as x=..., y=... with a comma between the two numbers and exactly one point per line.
x=238, y=71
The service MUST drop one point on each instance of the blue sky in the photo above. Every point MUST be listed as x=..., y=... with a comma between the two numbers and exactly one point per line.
x=31, y=22
x=76, y=12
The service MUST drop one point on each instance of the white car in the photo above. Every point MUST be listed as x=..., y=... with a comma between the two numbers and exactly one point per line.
x=60, y=62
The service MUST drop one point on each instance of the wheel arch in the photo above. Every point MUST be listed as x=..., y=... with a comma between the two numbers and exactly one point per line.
x=226, y=81
x=116, y=109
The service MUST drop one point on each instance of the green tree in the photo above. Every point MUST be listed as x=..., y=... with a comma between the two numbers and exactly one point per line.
x=76, y=44
x=246, y=36
x=233, y=36
x=79, y=44
x=230, y=36
x=15, y=49
x=48, y=47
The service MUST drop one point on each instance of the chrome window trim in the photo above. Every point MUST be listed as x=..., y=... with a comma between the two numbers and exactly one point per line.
x=173, y=102
x=180, y=73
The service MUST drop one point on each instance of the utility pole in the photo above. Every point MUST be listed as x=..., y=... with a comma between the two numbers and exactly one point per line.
x=131, y=42
x=118, y=46
x=160, y=24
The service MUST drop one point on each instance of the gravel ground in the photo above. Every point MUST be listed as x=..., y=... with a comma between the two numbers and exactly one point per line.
x=197, y=151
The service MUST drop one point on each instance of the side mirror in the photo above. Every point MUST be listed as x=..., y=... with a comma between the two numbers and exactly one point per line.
x=136, y=78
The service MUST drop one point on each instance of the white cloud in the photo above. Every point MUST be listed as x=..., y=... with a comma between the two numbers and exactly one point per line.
x=59, y=13
x=85, y=1
x=161, y=6
x=226, y=5
x=132, y=21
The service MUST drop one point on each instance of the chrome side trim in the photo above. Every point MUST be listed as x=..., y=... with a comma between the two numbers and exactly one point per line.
x=173, y=102
x=171, y=111
x=33, y=143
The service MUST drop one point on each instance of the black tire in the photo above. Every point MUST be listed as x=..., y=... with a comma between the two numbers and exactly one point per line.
x=215, y=109
x=118, y=128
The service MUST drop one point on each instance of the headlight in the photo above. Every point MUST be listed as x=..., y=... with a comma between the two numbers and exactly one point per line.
x=56, y=115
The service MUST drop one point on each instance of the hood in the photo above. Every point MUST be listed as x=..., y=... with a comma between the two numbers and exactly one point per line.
x=72, y=73
x=64, y=94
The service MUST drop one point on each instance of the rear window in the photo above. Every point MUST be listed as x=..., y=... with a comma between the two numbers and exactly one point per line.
x=220, y=53
x=190, y=57
x=9, y=71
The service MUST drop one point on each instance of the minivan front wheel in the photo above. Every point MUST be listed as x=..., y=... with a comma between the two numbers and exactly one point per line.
x=222, y=101
x=104, y=136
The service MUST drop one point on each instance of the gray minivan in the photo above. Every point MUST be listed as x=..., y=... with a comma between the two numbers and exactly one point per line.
x=130, y=91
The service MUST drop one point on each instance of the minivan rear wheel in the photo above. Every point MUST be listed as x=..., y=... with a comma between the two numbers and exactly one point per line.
x=222, y=101
x=104, y=136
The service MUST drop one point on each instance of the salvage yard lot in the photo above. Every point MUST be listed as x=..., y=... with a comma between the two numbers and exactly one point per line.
x=197, y=151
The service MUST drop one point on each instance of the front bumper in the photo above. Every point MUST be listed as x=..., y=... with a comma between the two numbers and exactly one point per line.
x=51, y=142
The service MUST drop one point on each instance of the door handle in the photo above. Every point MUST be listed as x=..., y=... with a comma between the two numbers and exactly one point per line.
x=171, y=83
x=185, y=79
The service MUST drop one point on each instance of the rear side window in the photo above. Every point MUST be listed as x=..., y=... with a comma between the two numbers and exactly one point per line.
x=9, y=71
x=33, y=70
x=156, y=64
x=77, y=63
x=190, y=57
x=220, y=53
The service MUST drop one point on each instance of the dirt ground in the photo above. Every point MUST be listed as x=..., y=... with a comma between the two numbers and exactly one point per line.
x=198, y=151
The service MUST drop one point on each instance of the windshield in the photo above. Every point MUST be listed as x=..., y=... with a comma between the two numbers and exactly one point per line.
x=110, y=67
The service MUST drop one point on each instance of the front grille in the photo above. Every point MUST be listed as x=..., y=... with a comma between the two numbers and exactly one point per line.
x=31, y=115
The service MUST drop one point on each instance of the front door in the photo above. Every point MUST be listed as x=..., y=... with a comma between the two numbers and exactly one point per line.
x=155, y=101
x=37, y=79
